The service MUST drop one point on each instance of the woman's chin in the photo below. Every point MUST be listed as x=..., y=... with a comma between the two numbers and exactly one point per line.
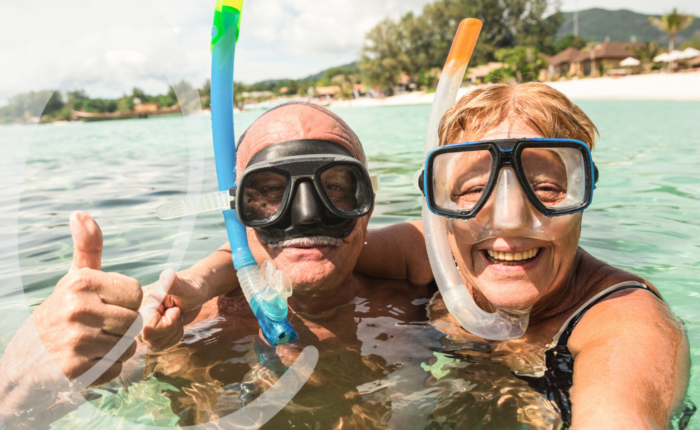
x=512, y=296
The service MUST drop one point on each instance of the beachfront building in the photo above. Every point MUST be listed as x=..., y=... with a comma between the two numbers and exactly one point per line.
x=561, y=64
x=477, y=74
x=599, y=60
x=328, y=92
x=145, y=108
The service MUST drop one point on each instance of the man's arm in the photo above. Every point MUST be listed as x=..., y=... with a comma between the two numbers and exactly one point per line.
x=631, y=364
x=396, y=252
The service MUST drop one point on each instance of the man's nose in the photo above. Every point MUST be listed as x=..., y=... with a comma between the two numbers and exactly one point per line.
x=306, y=206
x=511, y=210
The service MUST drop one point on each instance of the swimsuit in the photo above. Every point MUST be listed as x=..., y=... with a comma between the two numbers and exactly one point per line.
x=557, y=380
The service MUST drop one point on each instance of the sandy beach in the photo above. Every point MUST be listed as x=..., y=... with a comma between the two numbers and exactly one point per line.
x=658, y=86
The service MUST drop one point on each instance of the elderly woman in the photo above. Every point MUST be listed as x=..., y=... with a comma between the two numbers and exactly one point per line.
x=616, y=357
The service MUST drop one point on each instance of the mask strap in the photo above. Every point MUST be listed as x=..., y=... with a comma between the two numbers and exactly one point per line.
x=194, y=205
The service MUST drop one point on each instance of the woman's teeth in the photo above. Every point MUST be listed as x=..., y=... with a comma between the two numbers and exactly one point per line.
x=511, y=258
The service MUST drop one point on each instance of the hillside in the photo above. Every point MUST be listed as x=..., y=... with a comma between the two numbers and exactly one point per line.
x=620, y=25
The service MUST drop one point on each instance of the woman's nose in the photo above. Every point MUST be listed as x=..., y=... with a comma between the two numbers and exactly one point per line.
x=511, y=207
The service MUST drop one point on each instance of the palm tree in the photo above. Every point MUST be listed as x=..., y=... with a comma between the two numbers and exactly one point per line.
x=672, y=23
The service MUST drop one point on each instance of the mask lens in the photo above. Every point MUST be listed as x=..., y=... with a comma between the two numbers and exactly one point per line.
x=460, y=179
x=263, y=193
x=345, y=188
x=557, y=176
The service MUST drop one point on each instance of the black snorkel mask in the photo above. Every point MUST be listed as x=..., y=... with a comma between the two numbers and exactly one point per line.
x=303, y=188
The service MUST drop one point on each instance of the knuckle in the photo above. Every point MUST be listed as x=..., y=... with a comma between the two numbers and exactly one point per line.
x=138, y=293
x=134, y=291
x=129, y=352
x=78, y=312
x=73, y=370
x=130, y=318
x=111, y=373
x=79, y=341
x=82, y=280
x=149, y=334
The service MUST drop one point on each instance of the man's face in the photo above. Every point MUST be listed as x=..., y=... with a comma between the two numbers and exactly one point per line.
x=312, y=267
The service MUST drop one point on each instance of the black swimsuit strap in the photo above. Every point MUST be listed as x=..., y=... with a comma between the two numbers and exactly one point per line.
x=564, y=338
x=555, y=385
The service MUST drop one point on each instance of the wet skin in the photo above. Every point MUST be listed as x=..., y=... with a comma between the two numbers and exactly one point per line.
x=326, y=311
x=223, y=362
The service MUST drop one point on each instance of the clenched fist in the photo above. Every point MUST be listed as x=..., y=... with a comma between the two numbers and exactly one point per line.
x=176, y=308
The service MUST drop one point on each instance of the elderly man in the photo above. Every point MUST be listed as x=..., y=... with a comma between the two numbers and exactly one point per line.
x=315, y=248
x=318, y=250
x=360, y=327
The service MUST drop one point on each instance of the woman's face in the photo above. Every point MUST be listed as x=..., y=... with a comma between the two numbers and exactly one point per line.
x=516, y=268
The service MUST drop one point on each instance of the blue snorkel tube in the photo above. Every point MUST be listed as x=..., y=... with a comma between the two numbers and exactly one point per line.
x=267, y=290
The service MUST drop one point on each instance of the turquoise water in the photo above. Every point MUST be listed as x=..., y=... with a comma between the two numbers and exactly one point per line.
x=643, y=218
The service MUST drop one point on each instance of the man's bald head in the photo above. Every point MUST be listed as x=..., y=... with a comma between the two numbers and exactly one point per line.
x=297, y=121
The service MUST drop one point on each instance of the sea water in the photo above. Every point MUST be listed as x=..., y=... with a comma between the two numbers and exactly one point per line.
x=644, y=219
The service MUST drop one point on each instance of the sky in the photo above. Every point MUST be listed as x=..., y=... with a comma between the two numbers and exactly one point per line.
x=107, y=48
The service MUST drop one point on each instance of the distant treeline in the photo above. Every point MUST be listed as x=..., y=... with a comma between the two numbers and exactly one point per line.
x=56, y=106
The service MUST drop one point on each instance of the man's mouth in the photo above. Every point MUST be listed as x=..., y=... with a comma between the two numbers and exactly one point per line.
x=511, y=258
x=307, y=242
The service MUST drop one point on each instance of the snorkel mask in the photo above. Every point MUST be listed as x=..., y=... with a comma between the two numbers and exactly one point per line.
x=303, y=188
x=501, y=188
x=523, y=187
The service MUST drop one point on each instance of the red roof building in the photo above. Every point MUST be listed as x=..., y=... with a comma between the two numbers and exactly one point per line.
x=595, y=61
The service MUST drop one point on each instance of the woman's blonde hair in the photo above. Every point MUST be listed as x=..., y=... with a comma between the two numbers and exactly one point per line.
x=541, y=106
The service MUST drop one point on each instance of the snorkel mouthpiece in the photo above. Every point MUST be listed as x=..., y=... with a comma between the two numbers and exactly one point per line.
x=502, y=324
x=266, y=293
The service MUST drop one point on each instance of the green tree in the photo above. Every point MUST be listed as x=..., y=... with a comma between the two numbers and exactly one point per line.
x=672, y=23
x=138, y=93
x=346, y=84
x=383, y=56
x=205, y=91
x=125, y=103
x=520, y=63
x=331, y=73
x=426, y=39
x=694, y=42
x=238, y=90
x=111, y=106
x=54, y=104
x=645, y=51
x=568, y=41
x=76, y=99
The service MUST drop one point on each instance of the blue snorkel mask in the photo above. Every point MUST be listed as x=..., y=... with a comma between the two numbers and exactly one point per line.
x=266, y=289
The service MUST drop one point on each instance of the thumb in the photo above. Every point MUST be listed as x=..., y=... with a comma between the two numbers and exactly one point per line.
x=87, y=242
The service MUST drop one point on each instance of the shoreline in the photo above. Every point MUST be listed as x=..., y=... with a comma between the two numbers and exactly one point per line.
x=651, y=87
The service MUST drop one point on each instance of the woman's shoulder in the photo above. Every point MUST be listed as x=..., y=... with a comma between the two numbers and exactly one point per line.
x=595, y=277
x=618, y=304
